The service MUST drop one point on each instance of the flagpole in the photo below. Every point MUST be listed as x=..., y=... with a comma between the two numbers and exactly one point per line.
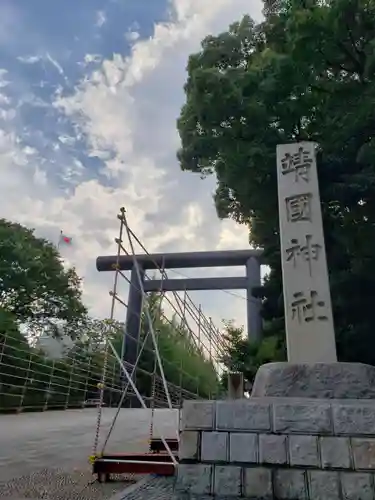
x=58, y=243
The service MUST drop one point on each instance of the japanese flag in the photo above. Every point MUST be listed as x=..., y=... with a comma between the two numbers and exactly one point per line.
x=65, y=239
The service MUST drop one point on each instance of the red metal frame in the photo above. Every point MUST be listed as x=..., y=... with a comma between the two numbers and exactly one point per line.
x=157, y=461
x=157, y=445
x=147, y=463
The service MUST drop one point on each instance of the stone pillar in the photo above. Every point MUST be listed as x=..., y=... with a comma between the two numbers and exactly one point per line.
x=308, y=312
x=254, y=320
x=235, y=385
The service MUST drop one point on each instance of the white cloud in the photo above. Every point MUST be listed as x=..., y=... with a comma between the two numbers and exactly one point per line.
x=132, y=36
x=127, y=110
x=100, y=18
x=28, y=59
x=54, y=63
x=92, y=58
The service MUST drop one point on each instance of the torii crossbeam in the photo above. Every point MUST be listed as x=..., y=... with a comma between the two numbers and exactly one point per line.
x=250, y=258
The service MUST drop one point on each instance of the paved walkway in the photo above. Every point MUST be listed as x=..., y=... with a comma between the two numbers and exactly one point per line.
x=152, y=488
x=59, y=443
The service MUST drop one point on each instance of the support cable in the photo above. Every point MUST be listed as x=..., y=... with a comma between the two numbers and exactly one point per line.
x=147, y=309
x=140, y=399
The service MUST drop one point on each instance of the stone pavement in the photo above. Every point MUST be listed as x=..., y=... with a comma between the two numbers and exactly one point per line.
x=151, y=488
x=51, y=450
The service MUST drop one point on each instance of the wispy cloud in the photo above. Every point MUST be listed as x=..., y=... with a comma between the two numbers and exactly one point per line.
x=54, y=63
x=132, y=36
x=100, y=18
x=29, y=59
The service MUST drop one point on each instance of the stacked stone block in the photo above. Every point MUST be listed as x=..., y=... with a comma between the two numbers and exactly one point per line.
x=265, y=448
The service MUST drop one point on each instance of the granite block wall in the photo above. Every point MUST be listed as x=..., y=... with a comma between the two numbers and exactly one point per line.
x=288, y=449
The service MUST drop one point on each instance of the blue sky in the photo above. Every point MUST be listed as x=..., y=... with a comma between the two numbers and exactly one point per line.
x=89, y=96
x=52, y=58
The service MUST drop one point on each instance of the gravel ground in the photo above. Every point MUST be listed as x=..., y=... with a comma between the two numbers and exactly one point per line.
x=57, y=484
x=45, y=455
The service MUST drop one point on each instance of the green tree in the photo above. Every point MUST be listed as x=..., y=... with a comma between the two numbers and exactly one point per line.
x=30, y=379
x=184, y=364
x=93, y=333
x=14, y=358
x=34, y=286
x=305, y=73
x=237, y=348
x=244, y=356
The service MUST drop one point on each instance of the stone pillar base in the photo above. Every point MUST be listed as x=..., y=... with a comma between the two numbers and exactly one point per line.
x=317, y=380
x=277, y=448
x=235, y=385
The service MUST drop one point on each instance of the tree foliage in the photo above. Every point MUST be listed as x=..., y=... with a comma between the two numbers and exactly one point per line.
x=34, y=286
x=305, y=73
x=184, y=363
x=31, y=379
x=246, y=357
x=39, y=297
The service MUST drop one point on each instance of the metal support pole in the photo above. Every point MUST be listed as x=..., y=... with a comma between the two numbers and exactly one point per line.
x=254, y=320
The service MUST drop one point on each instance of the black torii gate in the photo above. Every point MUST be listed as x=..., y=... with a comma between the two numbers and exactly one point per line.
x=251, y=259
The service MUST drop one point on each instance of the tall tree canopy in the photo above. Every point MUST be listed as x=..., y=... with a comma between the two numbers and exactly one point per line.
x=34, y=286
x=305, y=73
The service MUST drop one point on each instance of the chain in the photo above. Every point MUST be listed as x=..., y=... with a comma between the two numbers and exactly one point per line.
x=101, y=386
x=153, y=384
